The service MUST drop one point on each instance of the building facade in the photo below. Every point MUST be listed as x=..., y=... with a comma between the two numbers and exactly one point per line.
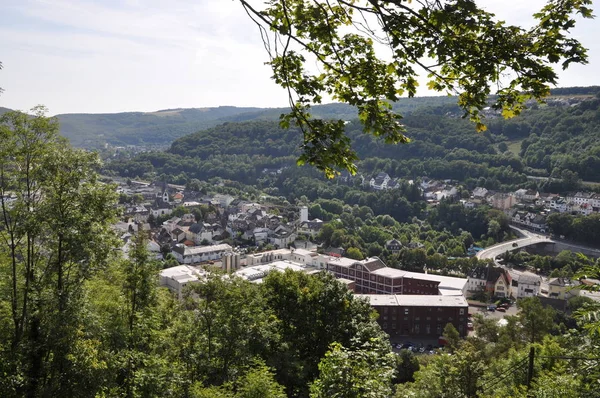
x=422, y=316
x=199, y=254
x=372, y=276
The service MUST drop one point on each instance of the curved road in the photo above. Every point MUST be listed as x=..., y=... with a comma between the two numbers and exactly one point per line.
x=529, y=238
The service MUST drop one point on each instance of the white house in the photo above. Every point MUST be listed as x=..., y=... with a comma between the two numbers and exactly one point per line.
x=477, y=280
x=580, y=198
x=446, y=193
x=311, y=227
x=198, y=232
x=282, y=237
x=480, y=192
x=524, y=284
x=380, y=181
x=260, y=235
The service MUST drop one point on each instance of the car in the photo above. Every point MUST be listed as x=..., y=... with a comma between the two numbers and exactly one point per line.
x=470, y=325
x=491, y=308
x=515, y=244
x=501, y=309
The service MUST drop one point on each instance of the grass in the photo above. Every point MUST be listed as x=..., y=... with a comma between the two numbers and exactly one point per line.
x=514, y=146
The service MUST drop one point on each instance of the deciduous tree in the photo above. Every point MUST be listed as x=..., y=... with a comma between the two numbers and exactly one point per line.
x=54, y=237
x=370, y=52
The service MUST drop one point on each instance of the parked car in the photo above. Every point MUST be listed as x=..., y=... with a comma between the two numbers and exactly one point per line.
x=470, y=325
x=491, y=308
x=501, y=309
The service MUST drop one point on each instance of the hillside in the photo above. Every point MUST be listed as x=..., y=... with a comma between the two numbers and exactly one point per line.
x=546, y=140
x=140, y=128
x=162, y=127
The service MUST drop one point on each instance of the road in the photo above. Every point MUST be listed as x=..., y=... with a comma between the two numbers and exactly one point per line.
x=529, y=238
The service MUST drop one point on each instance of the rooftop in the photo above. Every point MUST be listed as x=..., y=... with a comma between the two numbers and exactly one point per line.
x=303, y=252
x=256, y=273
x=342, y=261
x=190, y=251
x=182, y=273
x=414, y=300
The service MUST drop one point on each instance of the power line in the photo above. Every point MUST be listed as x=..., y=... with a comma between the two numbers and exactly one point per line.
x=492, y=382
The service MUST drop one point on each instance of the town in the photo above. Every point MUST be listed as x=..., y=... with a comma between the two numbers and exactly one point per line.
x=248, y=239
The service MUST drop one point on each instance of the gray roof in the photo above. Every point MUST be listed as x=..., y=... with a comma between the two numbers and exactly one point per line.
x=526, y=278
x=196, y=228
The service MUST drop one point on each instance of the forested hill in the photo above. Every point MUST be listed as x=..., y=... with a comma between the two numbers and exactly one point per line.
x=545, y=140
x=165, y=126
x=161, y=128
x=142, y=128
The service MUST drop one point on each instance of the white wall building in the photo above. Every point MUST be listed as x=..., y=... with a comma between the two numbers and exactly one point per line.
x=199, y=254
x=524, y=284
x=177, y=278
x=303, y=214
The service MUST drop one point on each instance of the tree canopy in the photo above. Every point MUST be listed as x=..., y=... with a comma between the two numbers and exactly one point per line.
x=371, y=52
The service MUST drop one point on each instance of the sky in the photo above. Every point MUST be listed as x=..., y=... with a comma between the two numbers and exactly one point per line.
x=104, y=56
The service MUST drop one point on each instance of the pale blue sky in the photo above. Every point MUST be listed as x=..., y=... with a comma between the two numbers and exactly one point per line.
x=143, y=55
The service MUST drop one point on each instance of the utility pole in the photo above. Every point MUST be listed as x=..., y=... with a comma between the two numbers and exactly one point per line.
x=530, y=368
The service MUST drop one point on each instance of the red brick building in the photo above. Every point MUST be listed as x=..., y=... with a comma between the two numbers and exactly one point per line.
x=423, y=316
x=372, y=276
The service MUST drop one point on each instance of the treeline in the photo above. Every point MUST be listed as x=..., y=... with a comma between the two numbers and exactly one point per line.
x=552, y=140
x=584, y=229
x=565, y=264
x=557, y=138
x=439, y=243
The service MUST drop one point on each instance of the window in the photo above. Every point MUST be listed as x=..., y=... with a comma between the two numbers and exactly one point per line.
x=385, y=325
x=417, y=329
x=439, y=319
x=439, y=309
x=427, y=329
x=406, y=311
x=462, y=311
